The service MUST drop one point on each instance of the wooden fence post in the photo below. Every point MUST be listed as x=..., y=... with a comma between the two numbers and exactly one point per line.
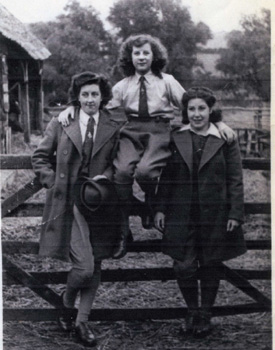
x=25, y=102
x=4, y=107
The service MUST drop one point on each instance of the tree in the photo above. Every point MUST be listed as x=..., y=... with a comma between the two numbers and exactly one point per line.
x=246, y=60
x=78, y=42
x=171, y=23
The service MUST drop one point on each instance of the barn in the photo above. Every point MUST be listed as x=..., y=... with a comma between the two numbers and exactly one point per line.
x=21, y=85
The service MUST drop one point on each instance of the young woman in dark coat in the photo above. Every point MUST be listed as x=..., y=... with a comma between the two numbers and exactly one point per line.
x=200, y=206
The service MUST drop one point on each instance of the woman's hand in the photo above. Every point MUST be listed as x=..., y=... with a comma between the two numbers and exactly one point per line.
x=64, y=116
x=159, y=221
x=226, y=132
x=232, y=225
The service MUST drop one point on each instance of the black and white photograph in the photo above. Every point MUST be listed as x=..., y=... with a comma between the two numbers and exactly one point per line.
x=136, y=174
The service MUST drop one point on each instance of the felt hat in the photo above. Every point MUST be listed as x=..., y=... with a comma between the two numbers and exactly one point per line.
x=94, y=197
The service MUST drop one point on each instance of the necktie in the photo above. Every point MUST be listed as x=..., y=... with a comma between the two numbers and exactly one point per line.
x=143, y=105
x=88, y=146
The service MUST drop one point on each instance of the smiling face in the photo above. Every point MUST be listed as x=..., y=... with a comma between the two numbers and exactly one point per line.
x=90, y=98
x=142, y=58
x=198, y=114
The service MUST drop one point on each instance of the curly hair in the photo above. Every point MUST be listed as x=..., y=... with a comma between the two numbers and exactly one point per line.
x=205, y=94
x=87, y=78
x=160, y=56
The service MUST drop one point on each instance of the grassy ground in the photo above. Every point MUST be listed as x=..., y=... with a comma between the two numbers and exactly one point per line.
x=234, y=332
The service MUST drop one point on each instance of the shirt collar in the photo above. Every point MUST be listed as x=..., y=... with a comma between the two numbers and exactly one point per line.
x=148, y=77
x=84, y=117
x=212, y=130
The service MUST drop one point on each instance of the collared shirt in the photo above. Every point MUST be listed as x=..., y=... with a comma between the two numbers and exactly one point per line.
x=212, y=130
x=163, y=95
x=83, y=121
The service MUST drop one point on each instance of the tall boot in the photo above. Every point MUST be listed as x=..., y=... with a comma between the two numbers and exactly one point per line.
x=150, y=194
x=190, y=291
x=210, y=280
x=124, y=195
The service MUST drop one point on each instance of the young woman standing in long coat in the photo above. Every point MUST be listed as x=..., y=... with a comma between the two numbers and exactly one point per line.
x=200, y=206
x=58, y=162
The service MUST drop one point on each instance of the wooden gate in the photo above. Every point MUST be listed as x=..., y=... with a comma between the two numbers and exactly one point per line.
x=39, y=282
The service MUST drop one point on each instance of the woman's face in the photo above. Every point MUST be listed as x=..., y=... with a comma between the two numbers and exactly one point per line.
x=198, y=114
x=142, y=58
x=90, y=98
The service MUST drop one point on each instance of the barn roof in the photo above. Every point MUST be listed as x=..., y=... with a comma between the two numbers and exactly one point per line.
x=13, y=29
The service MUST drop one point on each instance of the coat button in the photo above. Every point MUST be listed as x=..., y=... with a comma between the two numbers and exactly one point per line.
x=65, y=151
x=62, y=175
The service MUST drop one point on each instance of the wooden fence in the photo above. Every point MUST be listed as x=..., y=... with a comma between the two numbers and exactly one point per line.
x=39, y=282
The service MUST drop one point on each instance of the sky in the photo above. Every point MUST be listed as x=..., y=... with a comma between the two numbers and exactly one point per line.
x=219, y=15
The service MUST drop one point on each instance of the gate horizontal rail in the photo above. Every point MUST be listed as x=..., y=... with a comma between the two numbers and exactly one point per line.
x=145, y=246
x=141, y=314
x=10, y=161
x=128, y=275
x=36, y=209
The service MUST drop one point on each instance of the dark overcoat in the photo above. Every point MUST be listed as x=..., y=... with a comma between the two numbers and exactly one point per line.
x=56, y=162
x=220, y=198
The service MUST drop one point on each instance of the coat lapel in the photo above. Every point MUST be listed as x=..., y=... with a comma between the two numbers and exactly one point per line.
x=183, y=142
x=212, y=145
x=73, y=131
x=105, y=129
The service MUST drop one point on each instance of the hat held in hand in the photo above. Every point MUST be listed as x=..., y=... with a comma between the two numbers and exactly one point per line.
x=94, y=196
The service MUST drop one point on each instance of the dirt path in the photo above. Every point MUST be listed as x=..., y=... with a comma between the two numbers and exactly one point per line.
x=238, y=333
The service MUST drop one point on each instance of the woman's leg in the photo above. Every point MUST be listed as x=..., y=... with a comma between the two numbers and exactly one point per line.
x=84, y=277
x=81, y=253
x=185, y=272
x=148, y=170
x=128, y=155
x=156, y=143
x=188, y=283
x=125, y=194
x=210, y=280
x=87, y=295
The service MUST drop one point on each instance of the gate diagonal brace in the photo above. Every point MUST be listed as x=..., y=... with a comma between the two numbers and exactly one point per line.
x=20, y=196
x=27, y=280
x=241, y=283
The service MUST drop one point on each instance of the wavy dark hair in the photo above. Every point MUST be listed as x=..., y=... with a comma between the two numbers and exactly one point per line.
x=160, y=56
x=205, y=94
x=87, y=78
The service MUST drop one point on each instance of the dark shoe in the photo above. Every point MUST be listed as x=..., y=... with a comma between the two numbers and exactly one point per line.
x=66, y=322
x=191, y=321
x=121, y=248
x=66, y=318
x=85, y=334
x=203, y=328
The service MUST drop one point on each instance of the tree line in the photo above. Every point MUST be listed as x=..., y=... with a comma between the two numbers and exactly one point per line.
x=78, y=41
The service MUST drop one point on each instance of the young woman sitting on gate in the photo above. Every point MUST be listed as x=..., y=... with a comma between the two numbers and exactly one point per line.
x=200, y=206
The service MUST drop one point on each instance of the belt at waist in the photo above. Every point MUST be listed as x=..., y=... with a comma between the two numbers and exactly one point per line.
x=148, y=119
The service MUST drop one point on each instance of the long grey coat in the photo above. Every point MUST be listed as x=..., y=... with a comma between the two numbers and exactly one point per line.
x=56, y=162
x=220, y=198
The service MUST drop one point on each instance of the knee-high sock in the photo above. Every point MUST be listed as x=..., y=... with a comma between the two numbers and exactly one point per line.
x=74, y=282
x=210, y=281
x=189, y=290
x=87, y=296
